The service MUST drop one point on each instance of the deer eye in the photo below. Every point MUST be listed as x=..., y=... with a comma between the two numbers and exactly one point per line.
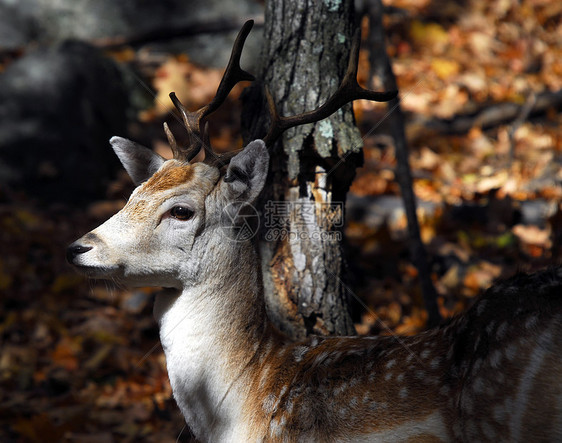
x=182, y=213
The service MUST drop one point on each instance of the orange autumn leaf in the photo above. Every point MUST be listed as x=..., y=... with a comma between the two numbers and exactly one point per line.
x=65, y=353
x=445, y=68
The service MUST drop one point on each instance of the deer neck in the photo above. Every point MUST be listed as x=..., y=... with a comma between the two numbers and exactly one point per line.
x=210, y=332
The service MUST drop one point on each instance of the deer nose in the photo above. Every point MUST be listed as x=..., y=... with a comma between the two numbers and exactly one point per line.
x=74, y=250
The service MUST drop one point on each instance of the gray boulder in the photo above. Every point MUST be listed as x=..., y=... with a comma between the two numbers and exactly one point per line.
x=58, y=108
x=47, y=22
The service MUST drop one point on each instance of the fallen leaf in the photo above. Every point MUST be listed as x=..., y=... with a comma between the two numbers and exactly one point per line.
x=445, y=68
x=66, y=352
x=533, y=235
x=480, y=277
x=429, y=35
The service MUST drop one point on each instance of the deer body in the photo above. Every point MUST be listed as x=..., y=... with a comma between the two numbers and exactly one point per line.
x=478, y=378
x=493, y=374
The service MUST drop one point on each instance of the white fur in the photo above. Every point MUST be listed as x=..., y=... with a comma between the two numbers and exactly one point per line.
x=209, y=401
x=432, y=425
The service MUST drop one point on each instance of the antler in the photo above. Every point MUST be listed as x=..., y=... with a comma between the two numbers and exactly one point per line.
x=348, y=91
x=199, y=139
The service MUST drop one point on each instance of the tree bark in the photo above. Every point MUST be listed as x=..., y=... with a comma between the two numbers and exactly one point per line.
x=306, y=46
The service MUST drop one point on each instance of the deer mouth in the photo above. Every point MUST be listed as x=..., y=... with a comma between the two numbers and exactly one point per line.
x=95, y=271
x=77, y=256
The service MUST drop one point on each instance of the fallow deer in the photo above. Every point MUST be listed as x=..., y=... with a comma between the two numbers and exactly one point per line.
x=491, y=374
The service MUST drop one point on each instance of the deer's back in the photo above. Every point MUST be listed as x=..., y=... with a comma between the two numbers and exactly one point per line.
x=506, y=356
x=492, y=374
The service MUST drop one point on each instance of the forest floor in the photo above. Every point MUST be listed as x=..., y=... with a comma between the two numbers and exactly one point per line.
x=81, y=360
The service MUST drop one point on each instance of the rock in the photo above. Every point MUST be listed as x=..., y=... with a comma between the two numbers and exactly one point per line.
x=58, y=108
x=46, y=22
x=16, y=29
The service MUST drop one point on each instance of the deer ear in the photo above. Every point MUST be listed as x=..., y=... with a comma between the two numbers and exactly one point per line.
x=139, y=162
x=247, y=172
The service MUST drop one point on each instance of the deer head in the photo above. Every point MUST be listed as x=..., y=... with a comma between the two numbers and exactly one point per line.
x=174, y=213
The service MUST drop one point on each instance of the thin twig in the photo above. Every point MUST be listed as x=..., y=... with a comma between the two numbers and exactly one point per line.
x=380, y=65
x=524, y=114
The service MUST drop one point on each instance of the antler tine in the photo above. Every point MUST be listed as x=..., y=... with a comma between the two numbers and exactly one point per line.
x=192, y=123
x=193, y=120
x=278, y=122
x=348, y=91
x=233, y=72
x=172, y=141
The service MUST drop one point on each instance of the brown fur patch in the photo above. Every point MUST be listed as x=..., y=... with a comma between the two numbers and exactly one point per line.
x=169, y=177
x=138, y=209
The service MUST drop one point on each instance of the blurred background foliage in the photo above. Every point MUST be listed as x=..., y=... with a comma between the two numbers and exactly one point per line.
x=480, y=84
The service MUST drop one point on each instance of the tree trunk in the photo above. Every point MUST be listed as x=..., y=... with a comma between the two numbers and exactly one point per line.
x=305, y=51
